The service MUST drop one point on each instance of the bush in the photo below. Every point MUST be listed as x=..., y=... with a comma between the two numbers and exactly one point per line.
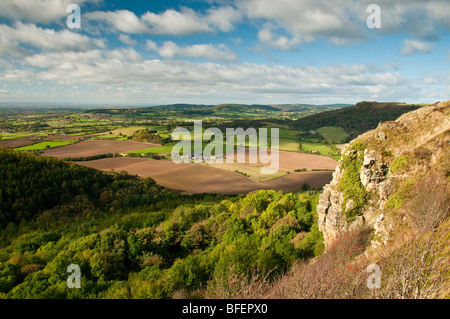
x=238, y=286
x=190, y=273
x=417, y=268
x=429, y=203
x=312, y=244
x=335, y=274
x=8, y=277
x=196, y=237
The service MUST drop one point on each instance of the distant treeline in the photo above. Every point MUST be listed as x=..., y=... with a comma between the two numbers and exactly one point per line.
x=146, y=155
x=151, y=136
x=91, y=158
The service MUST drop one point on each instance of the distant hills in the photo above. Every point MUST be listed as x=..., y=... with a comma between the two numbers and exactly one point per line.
x=239, y=107
x=248, y=107
x=297, y=107
x=222, y=111
x=355, y=119
x=348, y=121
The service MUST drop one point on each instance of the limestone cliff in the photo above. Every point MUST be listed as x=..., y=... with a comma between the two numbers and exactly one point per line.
x=375, y=169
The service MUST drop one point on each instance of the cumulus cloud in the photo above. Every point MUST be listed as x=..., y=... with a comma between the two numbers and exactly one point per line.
x=122, y=20
x=306, y=18
x=12, y=38
x=124, y=38
x=69, y=61
x=170, y=79
x=344, y=21
x=37, y=11
x=63, y=57
x=412, y=46
x=268, y=39
x=174, y=22
x=224, y=18
x=440, y=12
x=170, y=22
x=422, y=19
x=208, y=51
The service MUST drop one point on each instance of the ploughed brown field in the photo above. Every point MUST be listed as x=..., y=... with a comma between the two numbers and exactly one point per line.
x=190, y=178
x=18, y=143
x=67, y=137
x=95, y=147
x=36, y=139
x=198, y=178
x=292, y=160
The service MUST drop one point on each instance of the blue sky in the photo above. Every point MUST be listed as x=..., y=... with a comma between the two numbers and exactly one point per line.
x=225, y=51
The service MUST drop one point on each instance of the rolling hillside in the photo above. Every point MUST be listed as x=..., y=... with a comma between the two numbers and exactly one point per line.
x=356, y=119
x=31, y=185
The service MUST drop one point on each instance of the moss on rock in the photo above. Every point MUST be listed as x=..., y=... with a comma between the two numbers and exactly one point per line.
x=350, y=184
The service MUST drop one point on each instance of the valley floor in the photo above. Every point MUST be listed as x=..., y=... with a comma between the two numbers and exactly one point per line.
x=227, y=178
x=200, y=178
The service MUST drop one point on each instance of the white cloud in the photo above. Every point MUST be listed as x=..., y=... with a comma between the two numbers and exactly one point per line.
x=224, y=18
x=12, y=38
x=123, y=20
x=69, y=60
x=74, y=59
x=177, y=23
x=306, y=19
x=268, y=39
x=37, y=11
x=422, y=19
x=440, y=12
x=412, y=46
x=208, y=51
x=344, y=21
x=431, y=80
x=170, y=22
x=124, y=38
x=129, y=55
x=236, y=41
x=169, y=80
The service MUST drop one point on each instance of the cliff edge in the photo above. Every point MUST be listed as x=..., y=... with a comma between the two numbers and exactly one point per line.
x=378, y=172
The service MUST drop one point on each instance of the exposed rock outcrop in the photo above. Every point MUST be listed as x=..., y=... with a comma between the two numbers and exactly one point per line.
x=421, y=137
x=332, y=204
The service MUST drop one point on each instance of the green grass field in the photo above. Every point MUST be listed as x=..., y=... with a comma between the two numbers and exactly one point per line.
x=16, y=136
x=333, y=134
x=167, y=148
x=309, y=145
x=44, y=145
x=289, y=134
x=289, y=140
x=289, y=145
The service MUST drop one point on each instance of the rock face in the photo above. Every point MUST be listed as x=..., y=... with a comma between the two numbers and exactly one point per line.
x=422, y=135
x=332, y=205
x=372, y=172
